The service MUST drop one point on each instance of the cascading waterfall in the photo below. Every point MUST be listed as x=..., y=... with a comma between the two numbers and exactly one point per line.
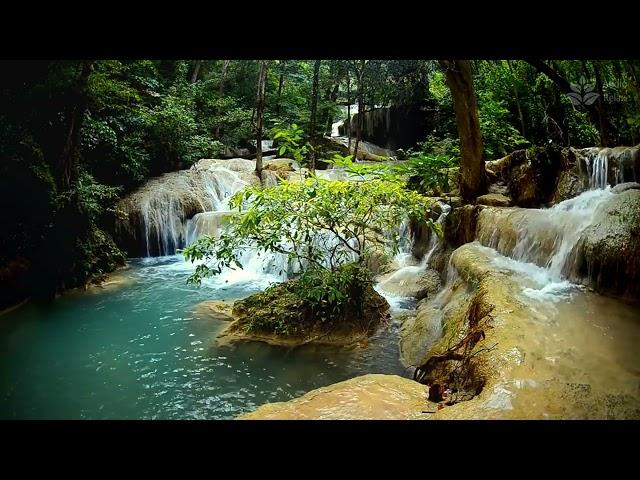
x=545, y=237
x=544, y=244
x=404, y=257
x=162, y=223
x=599, y=170
x=610, y=166
x=160, y=211
x=220, y=184
x=410, y=267
x=335, y=127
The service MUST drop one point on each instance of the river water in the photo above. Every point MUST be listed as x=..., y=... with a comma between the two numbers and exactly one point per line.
x=139, y=350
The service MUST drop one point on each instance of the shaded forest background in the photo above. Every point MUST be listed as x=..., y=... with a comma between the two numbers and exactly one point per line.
x=76, y=136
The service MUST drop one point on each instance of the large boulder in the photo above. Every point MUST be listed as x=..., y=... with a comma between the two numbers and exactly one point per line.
x=505, y=352
x=623, y=187
x=412, y=281
x=533, y=174
x=494, y=200
x=281, y=165
x=610, y=247
x=539, y=175
x=368, y=397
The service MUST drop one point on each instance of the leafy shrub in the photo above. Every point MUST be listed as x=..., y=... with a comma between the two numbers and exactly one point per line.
x=427, y=172
x=319, y=225
x=290, y=141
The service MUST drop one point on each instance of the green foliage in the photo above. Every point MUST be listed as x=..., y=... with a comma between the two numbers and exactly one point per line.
x=97, y=255
x=438, y=87
x=364, y=171
x=318, y=225
x=499, y=136
x=94, y=198
x=427, y=173
x=315, y=222
x=290, y=143
x=95, y=251
x=146, y=117
x=447, y=146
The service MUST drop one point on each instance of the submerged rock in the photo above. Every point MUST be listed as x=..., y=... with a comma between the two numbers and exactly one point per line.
x=623, y=187
x=368, y=397
x=111, y=281
x=215, y=310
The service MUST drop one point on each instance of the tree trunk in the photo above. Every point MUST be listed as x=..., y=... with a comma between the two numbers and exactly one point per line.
x=359, y=124
x=472, y=172
x=515, y=93
x=333, y=96
x=68, y=162
x=554, y=76
x=223, y=77
x=196, y=71
x=314, y=114
x=348, y=128
x=602, y=109
x=280, y=85
x=262, y=81
x=360, y=121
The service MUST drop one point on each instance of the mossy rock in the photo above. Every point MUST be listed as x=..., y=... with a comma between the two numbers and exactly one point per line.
x=279, y=316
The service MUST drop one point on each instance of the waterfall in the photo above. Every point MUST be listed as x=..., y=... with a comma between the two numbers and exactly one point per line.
x=609, y=166
x=220, y=184
x=549, y=237
x=404, y=257
x=545, y=237
x=599, y=171
x=396, y=286
x=335, y=127
x=161, y=216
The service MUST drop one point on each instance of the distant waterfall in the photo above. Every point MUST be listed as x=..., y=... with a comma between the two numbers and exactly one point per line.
x=610, y=166
x=172, y=211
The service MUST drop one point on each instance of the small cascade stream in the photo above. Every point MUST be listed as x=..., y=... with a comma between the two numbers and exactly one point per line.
x=409, y=268
x=609, y=166
x=574, y=351
x=541, y=242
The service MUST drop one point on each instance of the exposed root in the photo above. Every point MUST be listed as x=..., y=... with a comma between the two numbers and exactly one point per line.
x=452, y=376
